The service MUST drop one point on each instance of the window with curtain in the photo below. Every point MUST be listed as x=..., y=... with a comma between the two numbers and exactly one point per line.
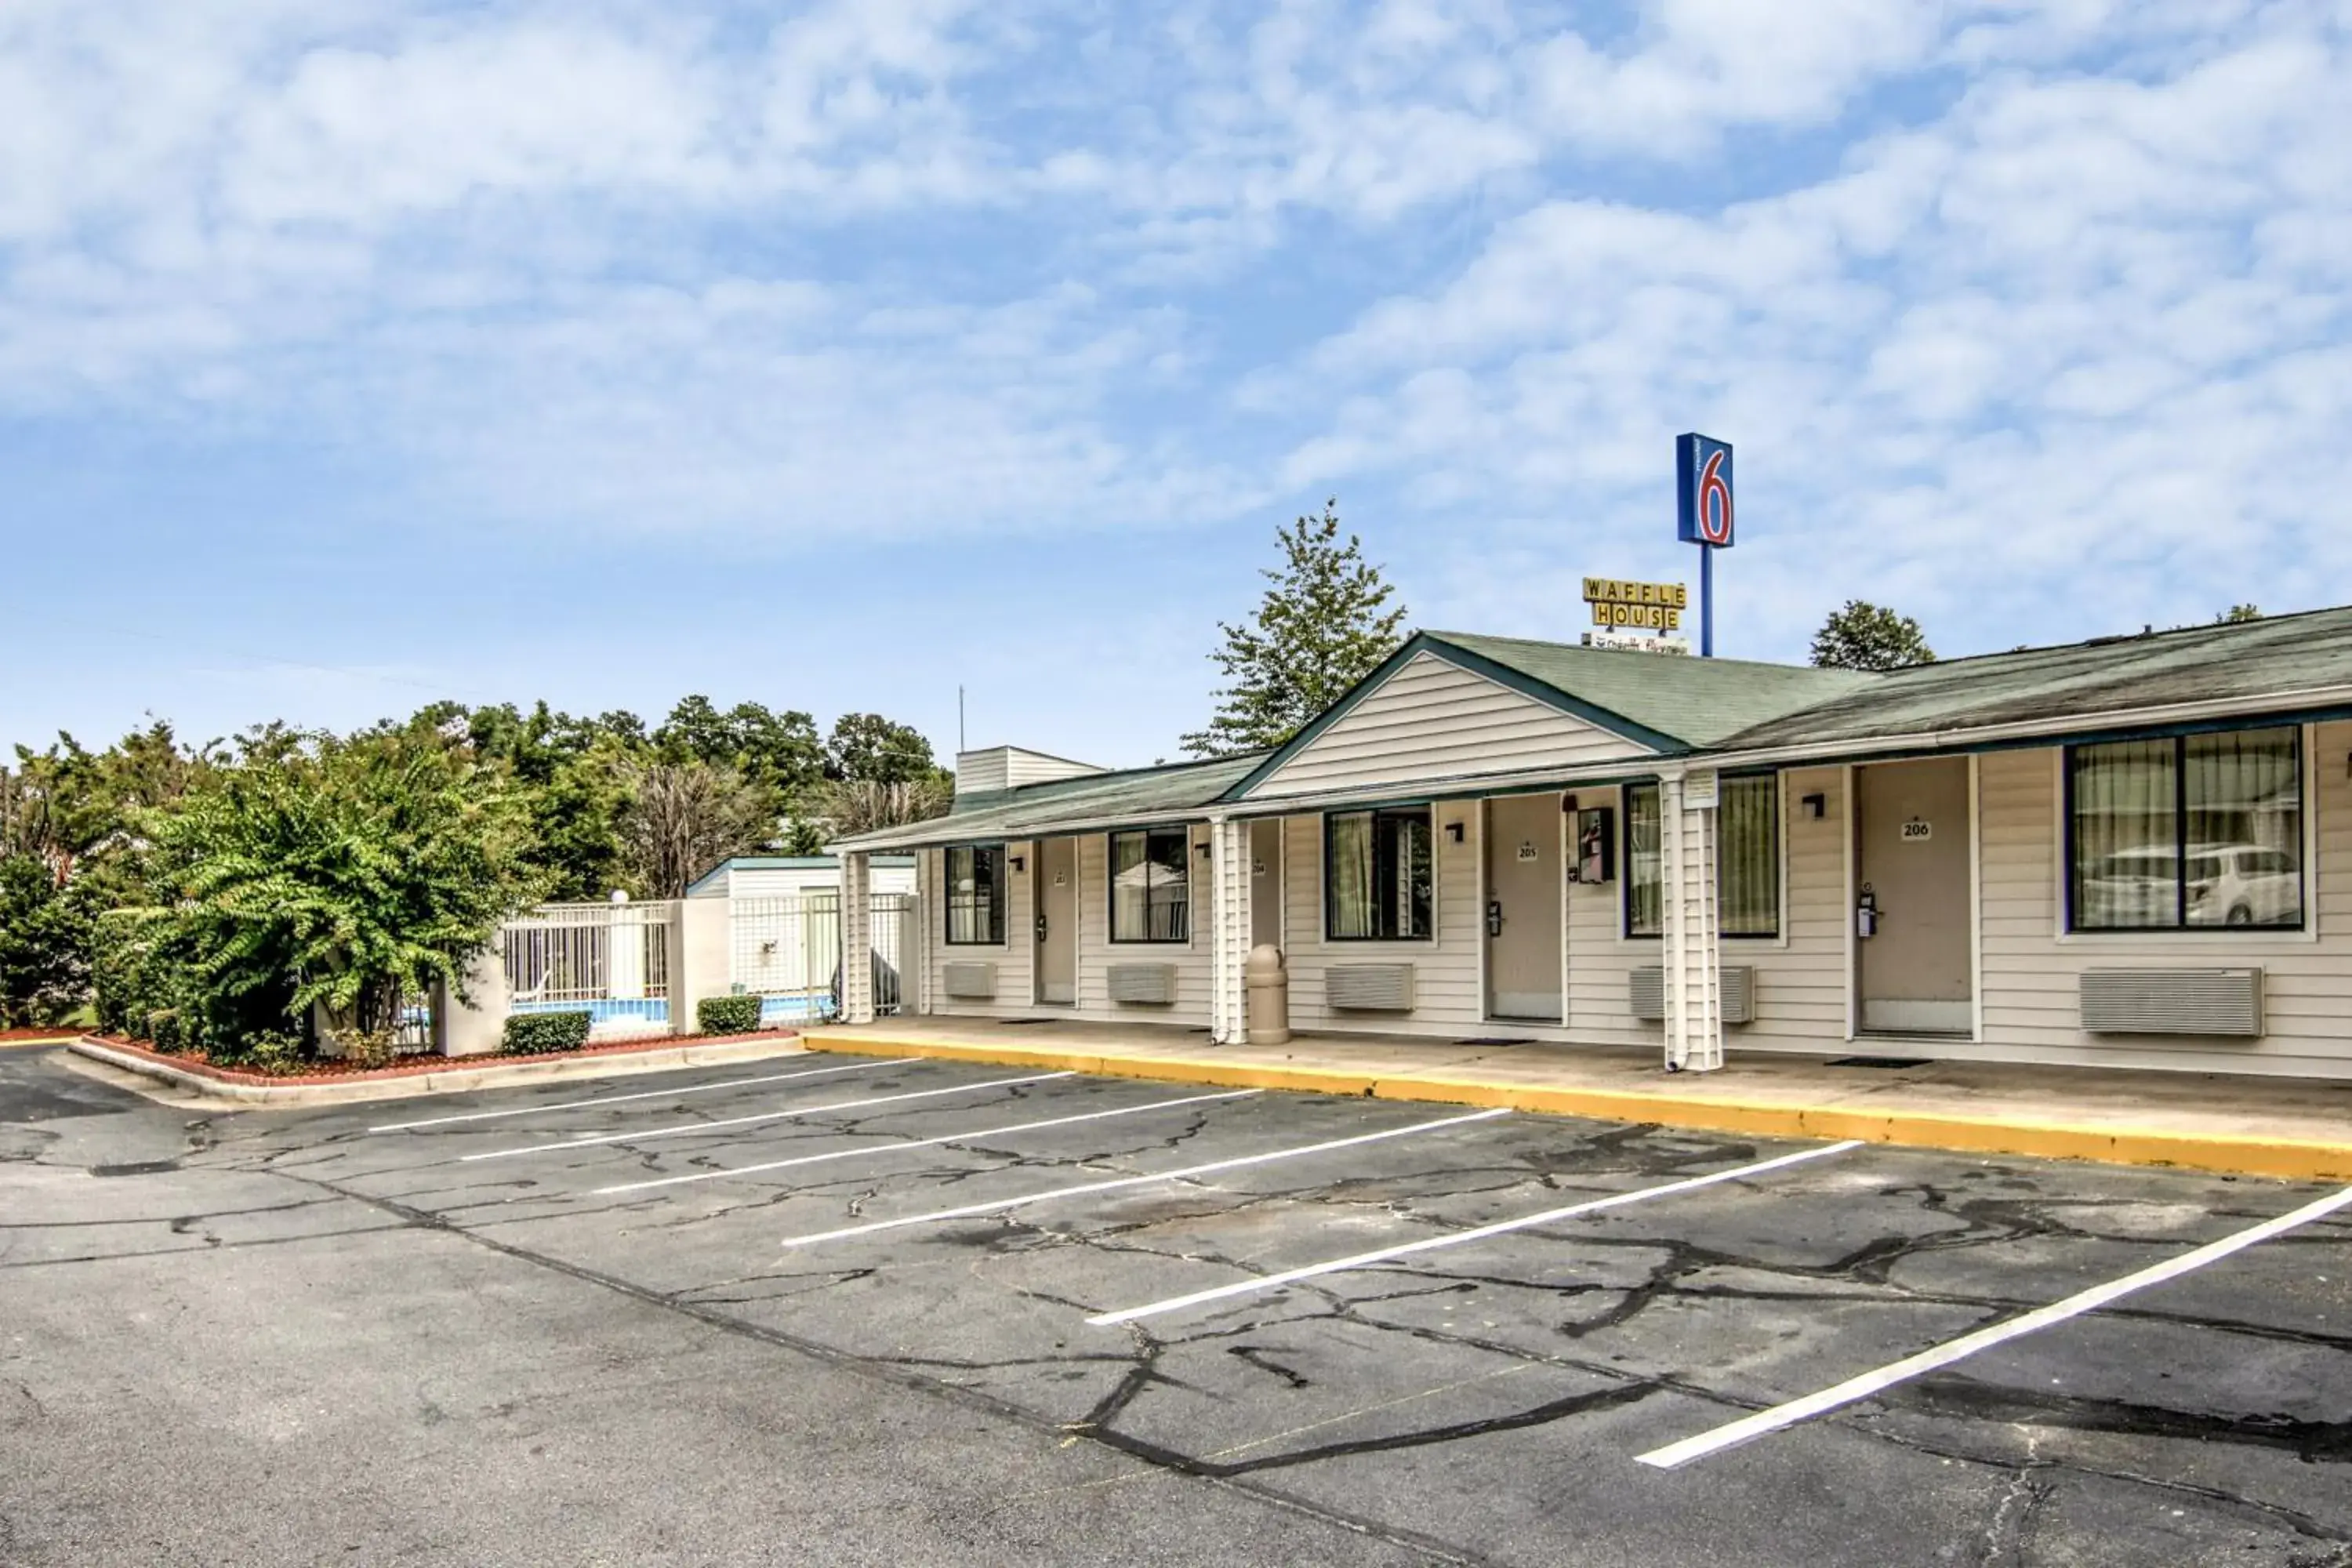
x=2185, y=832
x=1747, y=858
x=975, y=895
x=1644, y=899
x=1748, y=855
x=1150, y=886
x=1379, y=876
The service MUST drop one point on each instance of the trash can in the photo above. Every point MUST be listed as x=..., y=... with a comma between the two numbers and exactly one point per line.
x=1267, y=980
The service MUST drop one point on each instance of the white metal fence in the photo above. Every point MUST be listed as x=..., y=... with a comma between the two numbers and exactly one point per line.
x=610, y=960
x=787, y=951
x=617, y=962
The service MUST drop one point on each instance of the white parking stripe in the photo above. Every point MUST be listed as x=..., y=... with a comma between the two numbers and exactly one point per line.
x=1001, y=1205
x=648, y=1094
x=1461, y=1237
x=901, y=1148
x=681, y=1128
x=1751, y=1426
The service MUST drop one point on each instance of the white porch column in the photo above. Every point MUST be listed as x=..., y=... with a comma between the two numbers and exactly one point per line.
x=857, y=938
x=915, y=994
x=1686, y=819
x=1229, y=930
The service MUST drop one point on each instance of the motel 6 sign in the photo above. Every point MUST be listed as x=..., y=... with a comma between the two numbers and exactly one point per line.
x=1702, y=483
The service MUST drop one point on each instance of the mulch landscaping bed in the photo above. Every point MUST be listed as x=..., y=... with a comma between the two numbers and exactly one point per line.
x=410, y=1067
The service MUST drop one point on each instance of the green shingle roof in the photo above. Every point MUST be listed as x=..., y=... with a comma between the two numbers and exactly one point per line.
x=1176, y=793
x=2261, y=665
x=1682, y=706
x=1693, y=701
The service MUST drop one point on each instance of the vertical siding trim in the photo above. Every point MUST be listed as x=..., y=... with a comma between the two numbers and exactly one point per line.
x=1481, y=816
x=1853, y=958
x=1976, y=903
x=1566, y=848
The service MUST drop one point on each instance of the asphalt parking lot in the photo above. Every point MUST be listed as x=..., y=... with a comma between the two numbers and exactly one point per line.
x=829, y=1310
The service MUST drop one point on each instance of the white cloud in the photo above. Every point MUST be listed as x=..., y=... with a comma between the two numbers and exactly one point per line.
x=2077, y=322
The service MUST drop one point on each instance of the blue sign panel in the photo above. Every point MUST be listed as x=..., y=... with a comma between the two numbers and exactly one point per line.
x=1702, y=484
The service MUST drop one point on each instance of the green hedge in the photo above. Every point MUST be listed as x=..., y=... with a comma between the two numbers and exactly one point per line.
x=529, y=1033
x=726, y=1014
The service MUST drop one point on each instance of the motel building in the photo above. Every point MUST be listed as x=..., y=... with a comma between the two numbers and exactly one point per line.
x=2132, y=852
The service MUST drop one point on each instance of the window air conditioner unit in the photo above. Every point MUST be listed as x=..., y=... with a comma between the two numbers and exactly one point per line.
x=1142, y=984
x=1645, y=992
x=2172, y=1002
x=1369, y=987
x=970, y=982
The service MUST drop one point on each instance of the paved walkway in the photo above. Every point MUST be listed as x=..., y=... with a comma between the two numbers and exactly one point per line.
x=2299, y=1128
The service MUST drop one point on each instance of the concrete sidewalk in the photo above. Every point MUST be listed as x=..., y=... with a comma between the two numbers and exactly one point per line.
x=2297, y=1128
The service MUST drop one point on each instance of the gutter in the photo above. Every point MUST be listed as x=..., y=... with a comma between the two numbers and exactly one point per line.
x=2282, y=705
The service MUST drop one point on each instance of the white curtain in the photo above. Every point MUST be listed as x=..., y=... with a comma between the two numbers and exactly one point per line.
x=1748, y=856
x=1350, y=875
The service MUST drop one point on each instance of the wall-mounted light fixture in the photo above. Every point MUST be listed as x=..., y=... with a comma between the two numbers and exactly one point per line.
x=1816, y=807
x=1453, y=831
x=1207, y=849
x=1018, y=861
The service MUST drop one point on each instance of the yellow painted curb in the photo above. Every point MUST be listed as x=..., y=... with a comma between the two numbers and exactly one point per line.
x=2293, y=1158
x=64, y=1039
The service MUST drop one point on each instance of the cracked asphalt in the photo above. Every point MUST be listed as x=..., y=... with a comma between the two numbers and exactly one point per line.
x=264, y=1337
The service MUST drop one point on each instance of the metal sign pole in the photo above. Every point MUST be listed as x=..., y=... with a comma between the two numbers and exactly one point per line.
x=1707, y=601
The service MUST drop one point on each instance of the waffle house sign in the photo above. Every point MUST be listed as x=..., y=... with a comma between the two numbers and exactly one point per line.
x=1620, y=606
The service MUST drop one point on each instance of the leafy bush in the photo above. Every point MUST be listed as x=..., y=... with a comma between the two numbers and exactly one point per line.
x=270, y=1051
x=726, y=1014
x=45, y=935
x=348, y=873
x=163, y=1030
x=528, y=1034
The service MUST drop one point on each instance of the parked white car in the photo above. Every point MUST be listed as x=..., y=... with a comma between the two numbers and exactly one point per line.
x=2242, y=884
x=2229, y=884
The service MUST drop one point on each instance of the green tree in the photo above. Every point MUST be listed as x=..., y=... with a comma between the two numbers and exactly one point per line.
x=567, y=770
x=1863, y=636
x=1323, y=625
x=683, y=818
x=2236, y=613
x=44, y=946
x=868, y=746
x=779, y=752
x=350, y=873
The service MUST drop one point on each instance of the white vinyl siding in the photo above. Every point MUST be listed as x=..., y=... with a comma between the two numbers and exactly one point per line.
x=1431, y=720
x=1445, y=969
x=2031, y=975
x=1191, y=958
x=1011, y=957
x=1800, y=984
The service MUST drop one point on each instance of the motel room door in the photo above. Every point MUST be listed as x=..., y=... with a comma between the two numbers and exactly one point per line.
x=1526, y=885
x=1916, y=975
x=1057, y=921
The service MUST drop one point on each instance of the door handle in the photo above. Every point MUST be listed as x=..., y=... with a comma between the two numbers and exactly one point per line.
x=1495, y=917
x=1041, y=928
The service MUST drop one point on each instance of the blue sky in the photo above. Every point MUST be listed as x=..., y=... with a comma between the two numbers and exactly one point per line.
x=356, y=353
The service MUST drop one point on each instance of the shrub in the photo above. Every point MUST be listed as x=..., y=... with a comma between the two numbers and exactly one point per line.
x=269, y=1051
x=369, y=1048
x=726, y=1014
x=531, y=1033
x=163, y=1030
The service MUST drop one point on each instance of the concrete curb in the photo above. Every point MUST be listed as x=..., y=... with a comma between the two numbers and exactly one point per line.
x=2294, y=1159
x=449, y=1080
